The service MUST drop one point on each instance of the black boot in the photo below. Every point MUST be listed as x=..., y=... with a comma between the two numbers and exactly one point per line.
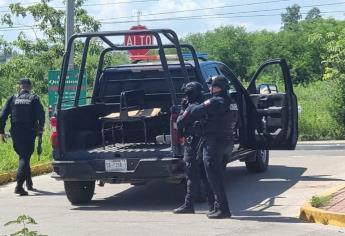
x=30, y=188
x=184, y=209
x=211, y=209
x=219, y=214
x=20, y=190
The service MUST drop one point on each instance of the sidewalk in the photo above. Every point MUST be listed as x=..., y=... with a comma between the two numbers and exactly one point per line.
x=337, y=203
x=321, y=145
x=322, y=142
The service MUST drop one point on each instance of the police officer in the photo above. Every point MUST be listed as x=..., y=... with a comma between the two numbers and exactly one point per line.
x=27, y=119
x=194, y=166
x=220, y=115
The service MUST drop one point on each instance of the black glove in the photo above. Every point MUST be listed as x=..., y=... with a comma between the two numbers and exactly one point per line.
x=184, y=103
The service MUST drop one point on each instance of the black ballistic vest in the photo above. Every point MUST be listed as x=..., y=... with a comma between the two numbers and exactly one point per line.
x=222, y=125
x=22, y=110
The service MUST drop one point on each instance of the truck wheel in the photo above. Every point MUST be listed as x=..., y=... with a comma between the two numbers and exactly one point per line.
x=260, y=164
x=79, y=192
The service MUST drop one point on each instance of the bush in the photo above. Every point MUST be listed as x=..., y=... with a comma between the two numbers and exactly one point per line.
x=338, y=111
x=316, y=121
x=320, y=201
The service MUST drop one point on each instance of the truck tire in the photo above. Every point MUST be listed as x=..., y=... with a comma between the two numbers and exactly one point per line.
x=260, y=164
x=79, y=192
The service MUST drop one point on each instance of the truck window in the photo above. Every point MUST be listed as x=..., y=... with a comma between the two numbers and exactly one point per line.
x=229, y=75
x=211, y=71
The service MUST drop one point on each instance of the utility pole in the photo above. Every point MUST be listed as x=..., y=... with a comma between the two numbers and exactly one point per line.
x=70, y=29
x=139, y=13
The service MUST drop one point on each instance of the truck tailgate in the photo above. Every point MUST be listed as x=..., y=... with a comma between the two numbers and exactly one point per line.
x=119, y=150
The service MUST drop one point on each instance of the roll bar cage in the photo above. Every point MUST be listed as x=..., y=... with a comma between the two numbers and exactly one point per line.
x=156, y=33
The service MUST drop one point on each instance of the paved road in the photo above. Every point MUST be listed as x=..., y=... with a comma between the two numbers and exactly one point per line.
x=262, y=204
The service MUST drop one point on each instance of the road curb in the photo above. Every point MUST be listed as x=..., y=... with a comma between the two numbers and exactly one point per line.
x=35, y=170
x=316, y=215
x=322, y=142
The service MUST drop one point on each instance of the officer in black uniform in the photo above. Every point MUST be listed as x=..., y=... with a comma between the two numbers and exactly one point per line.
x=27, y=120
x=220, y=113
x=195, y=170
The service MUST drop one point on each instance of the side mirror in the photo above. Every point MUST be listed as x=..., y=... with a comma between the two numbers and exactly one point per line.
x=267, y=89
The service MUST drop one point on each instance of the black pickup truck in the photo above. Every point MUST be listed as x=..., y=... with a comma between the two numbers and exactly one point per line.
x=127, y=133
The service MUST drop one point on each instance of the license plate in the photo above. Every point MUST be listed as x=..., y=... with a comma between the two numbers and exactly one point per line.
x=119, y=165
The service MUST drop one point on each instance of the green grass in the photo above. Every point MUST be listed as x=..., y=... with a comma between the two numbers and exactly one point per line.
x=9, y=159
x=315, y=120
x=320, y=201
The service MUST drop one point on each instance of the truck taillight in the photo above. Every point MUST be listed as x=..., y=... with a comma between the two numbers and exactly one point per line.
x=54, y=134
x=176, y=141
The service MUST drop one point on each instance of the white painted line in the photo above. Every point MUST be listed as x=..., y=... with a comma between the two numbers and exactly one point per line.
x=274, y=180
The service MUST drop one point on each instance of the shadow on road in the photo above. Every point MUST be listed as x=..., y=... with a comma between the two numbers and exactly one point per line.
x=38, y=192
x=250, y=195
x=259, y=191
x=154, y=196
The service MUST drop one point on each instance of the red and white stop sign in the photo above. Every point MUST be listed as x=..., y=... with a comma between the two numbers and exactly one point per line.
x=138, y=40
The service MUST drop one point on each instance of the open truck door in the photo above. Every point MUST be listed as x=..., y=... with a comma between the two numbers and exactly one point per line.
x=272, y=110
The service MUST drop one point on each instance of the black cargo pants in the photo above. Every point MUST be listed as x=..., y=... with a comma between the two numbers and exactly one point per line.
x=24, y=144
x=195, y=173
x=214, y=151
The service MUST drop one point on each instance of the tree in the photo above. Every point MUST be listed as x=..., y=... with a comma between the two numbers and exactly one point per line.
x=228, y=44
x=291, y=17
x=314, y=13
x=334, y=60
x=51, y=21
x=36, y=57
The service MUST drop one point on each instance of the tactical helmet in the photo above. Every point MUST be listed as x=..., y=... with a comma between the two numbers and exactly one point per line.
x=193, y=90
x=25, y=81
x=219, y=81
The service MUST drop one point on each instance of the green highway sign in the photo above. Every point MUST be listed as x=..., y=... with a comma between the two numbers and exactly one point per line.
x=69, y=91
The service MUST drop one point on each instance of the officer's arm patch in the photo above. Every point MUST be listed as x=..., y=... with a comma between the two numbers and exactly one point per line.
x=207, y=103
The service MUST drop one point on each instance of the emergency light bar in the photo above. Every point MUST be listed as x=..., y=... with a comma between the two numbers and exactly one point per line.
x=200, y=55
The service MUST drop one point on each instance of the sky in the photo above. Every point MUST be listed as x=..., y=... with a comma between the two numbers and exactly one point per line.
x=252, y=14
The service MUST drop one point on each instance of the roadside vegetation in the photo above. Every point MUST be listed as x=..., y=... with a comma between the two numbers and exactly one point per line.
x=9, y=159
x=320, y=201
x=316, y=121
x=313, y=46
x=23, y=221
x=315, y=50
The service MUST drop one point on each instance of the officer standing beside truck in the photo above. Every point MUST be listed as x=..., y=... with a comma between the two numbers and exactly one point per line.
x=27, y=121
x=195, y=170
x=220, y=116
